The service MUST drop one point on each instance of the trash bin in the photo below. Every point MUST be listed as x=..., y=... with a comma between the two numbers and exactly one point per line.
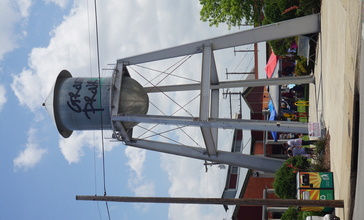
x=315, y=186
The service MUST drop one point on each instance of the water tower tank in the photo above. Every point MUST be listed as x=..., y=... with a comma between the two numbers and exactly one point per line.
x=84, y=103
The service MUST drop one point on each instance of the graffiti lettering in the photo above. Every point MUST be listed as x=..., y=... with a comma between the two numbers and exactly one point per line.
x=89, y=106
x=75, y=98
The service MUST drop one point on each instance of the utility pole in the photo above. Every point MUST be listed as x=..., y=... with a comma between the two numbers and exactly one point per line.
x=210, y=163
x=225, y=94
x=237, y=73
x=242, y=51
x=218, y=201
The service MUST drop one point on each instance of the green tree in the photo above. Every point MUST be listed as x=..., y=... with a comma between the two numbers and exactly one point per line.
x=238, y=12
x=275, y=10
x=231, y=12
x=284, y=183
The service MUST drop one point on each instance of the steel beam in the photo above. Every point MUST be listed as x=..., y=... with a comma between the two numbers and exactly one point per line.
x=243, y=124
x=115, y=93
x=265, y=164
x=289, y=28
x=236, y=84
x=205, y=84
x=206, y=73
x=214, y=110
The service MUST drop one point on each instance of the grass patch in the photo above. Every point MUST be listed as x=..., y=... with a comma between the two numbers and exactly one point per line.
x=321, y=162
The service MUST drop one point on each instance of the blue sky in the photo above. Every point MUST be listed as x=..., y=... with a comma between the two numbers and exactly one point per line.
x=42, y=172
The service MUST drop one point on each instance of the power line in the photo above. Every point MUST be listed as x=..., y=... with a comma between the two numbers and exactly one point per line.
x=94, y=138
x=100, y=97
x=242, y=58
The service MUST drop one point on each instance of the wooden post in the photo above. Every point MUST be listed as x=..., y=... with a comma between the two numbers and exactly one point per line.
x=219, y=201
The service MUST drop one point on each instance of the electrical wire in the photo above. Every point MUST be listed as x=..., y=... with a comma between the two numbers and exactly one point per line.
x=94, y=138
x=242, y=58
x=100, y=103
x=156, y=86
x=168, y=138
x=164, y=72
x=180, y=107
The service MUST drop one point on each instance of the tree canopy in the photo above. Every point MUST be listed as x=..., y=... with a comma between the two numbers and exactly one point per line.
x=238, y=12
x=231, y=12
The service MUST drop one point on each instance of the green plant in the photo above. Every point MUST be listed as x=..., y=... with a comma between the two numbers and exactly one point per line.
x=231, y=12
x=320, y=164
x=320, y=146
x=307, y=7
x=280, y=10
x=281, y=46
x=290, y=213
x=285, y=178
x=317, y=165
x=276, y=10
x=301, y=68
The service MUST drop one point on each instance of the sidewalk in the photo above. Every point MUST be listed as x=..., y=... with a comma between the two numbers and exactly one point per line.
x=332, y=96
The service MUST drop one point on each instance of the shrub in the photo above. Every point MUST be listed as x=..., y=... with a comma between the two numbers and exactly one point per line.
x=307, y=7
x=275, y=10
x=285, y=178
x=293, y=213
x=322, y=161
x=290, y=214
x=320, y=146
x=281, y=46
x=301, y=68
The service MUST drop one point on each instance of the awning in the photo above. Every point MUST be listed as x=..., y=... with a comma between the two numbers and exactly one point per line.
x=271, y=65
x=275, y=90
x=274, y=105
x=272, y=117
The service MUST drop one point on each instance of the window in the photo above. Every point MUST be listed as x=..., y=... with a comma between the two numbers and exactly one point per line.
x=233, y=177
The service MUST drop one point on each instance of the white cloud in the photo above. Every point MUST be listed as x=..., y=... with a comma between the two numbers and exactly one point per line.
x=13, y=14
x=189, y=179
x=60, y=3
x=136, y=160
x=8, y=19
x=145, y=190
x=126, y=28
x=67, y=49
x=73, y=147
x=25, y=89
x=24, y=7
x=31, y=155
x=136, y=28
x=3, y=99
x=137, y=182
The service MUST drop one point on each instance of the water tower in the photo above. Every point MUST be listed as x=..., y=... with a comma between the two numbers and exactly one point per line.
x=84, y=103
x=119, y=102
